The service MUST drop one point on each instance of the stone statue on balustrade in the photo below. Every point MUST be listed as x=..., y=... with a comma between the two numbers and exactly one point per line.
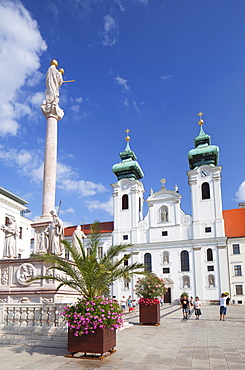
x=77, y=234
x=55, y=234
x=10, y=242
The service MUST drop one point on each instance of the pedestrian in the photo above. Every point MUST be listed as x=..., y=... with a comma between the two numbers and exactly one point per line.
x=129, y=303
x=197, y=305
x=185, y=305
x=162, y=300
x=191, y=302
x=222, y=309
x=123, y=304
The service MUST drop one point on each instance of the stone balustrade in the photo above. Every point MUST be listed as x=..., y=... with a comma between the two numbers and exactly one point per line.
x=32, y=315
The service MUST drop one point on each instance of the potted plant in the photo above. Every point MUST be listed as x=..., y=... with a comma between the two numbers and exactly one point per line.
x=93, y=320
x=150, y=288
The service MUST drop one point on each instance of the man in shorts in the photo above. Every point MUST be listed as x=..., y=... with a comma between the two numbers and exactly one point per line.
x=222, y=309
x=185, y=305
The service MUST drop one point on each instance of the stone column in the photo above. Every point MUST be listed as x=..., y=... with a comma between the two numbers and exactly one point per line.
x=53, y=113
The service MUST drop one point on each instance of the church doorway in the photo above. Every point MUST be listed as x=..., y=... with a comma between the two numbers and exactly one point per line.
x=167, y=296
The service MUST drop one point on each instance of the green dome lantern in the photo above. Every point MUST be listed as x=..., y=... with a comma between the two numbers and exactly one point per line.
x=204, y=152
x=129, y=168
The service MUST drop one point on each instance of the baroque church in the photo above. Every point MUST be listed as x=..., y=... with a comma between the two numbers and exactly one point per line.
x=188, y=252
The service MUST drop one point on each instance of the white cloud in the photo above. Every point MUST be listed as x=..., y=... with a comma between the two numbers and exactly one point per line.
x=21, y=45
x=165, y=77
x=68, y=210
x=79, y=100
x=135, y=106
x=96, y=204
x=37, y=98
x=82, y=187
x=118, y=2
x=240, y=194
x=110, y=32
x=121, y=81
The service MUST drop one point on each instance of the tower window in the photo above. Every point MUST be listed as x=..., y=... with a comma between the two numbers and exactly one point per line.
x=210, y=268
x=147, y=262
x=164, y=233
x=209, y=254
x=125, y=237
x=205, y=191
x=125, y=201
x=184, y=259
x=208, y=230
x=139, y=204
x=166, y=270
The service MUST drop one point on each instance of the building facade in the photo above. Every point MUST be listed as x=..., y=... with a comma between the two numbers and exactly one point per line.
x=189, y=252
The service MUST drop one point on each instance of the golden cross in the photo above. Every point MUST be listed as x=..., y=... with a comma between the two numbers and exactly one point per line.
x=200, y=122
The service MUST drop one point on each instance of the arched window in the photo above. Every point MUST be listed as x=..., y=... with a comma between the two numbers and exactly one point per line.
x=209, y=254
x=186, y=282
x=139, y=204
x=164, y=214
x=125, y=201
x=184, y=259
x=147, y=262
x=205, y=191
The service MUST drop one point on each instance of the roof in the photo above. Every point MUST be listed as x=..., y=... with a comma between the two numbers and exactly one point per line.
x=234, y=222
x=12, y=196
x=105, y=227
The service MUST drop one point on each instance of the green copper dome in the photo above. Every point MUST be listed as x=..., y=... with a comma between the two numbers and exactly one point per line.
x=129, y=168
x=204, y=152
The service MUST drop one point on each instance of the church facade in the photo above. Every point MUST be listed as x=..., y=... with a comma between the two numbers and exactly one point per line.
x=188, y=252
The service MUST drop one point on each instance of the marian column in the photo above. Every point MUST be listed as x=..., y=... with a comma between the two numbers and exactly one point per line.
x=53, y=114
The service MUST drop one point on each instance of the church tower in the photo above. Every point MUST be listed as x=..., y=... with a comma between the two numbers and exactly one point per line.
x=205, y=182
x=127, y=197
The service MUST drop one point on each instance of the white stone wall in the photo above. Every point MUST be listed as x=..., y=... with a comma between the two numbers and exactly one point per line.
x=236, y=260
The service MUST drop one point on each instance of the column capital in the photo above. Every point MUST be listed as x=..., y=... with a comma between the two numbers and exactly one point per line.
x=52, y=110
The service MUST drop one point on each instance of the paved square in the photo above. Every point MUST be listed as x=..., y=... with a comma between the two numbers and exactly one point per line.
x=175, y=344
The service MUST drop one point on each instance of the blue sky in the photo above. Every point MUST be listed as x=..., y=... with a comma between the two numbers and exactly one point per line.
x=146, y=65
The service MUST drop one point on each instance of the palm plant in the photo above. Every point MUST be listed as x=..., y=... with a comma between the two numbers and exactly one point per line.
x=86, y=273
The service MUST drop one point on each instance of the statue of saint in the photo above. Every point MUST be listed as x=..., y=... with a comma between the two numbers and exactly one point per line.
x=55, y=233
x=164, y=214
x=53, y=82
x=78, y=233
x=10, y=241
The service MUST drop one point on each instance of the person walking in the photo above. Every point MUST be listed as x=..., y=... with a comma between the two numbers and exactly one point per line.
x=222, y=309
x=184, y=303
x=123, y=304
x=197, y=305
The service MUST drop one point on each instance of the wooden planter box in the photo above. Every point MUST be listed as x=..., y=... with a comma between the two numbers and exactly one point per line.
x=150, y=314
x=101, y=341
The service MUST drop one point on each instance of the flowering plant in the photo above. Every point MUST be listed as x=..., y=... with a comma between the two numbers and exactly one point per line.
x=87, y=315
x=149, y=289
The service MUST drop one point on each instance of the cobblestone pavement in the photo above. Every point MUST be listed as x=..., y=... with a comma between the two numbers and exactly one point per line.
x=207, y=343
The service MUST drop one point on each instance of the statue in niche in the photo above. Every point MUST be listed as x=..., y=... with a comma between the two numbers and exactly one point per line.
x=78, y=233
x=211, y=281
x=164, y=214
x=53, y=82
x=186, y=282
x=4, y=277
x=165, y=258
x=55, y=234
x=10, y=241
